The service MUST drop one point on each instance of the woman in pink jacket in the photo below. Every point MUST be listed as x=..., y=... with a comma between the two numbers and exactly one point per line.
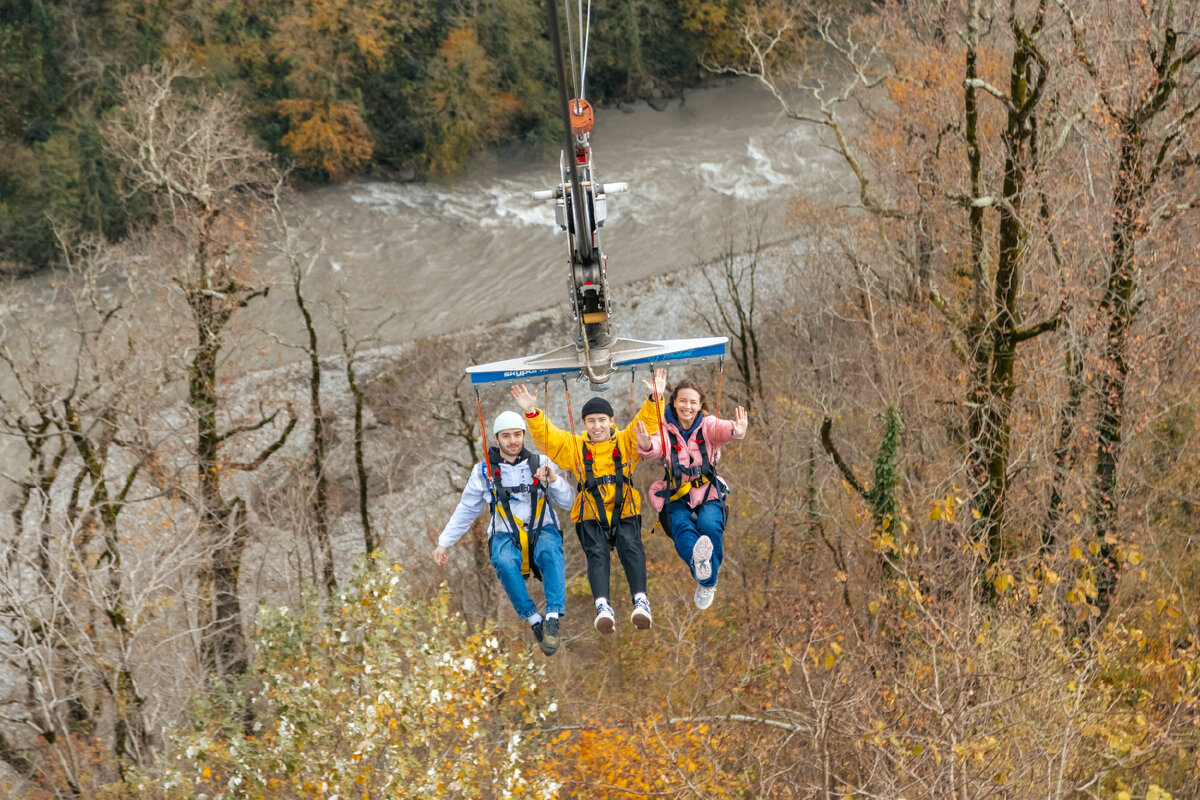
x=691, y=500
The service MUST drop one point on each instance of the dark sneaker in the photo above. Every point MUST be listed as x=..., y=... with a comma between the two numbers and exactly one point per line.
x=641, y=614
x=606, y=622
x=538, y=633
x=549, y=638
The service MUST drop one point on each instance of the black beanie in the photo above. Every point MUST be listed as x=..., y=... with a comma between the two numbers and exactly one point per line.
x=597, y=405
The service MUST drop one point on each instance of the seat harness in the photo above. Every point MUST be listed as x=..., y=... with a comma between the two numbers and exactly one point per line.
x=681, y=480
x=592, y=485
x=525, y=537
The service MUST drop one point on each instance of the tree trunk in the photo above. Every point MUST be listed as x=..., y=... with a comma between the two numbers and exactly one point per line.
x=994, y=384
x=224, y=651
x=320, y=499
x=1119, y=306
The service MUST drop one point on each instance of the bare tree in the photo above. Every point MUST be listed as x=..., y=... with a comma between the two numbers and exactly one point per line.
x=189, y=153
x=734, y=293
x=291, y=248
x=74, y=587
x=1149, y=88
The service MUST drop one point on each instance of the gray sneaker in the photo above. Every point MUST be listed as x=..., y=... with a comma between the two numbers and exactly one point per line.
x=606, y=621
x=702, y=558
x=704, y=596
x=641, y=614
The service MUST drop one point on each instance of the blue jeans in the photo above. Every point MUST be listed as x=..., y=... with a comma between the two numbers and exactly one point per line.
x=709, y=521
x=548, y=555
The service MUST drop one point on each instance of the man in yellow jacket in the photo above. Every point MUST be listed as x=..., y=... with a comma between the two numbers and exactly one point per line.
x=607, y=510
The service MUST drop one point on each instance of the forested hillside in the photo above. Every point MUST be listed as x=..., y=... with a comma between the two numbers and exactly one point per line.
x=962, y=556
x=335, y=87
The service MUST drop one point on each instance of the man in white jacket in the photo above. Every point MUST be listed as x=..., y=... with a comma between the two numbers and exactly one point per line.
x=523, y=535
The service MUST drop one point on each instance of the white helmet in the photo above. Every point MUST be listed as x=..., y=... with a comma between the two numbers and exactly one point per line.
x=508, y=420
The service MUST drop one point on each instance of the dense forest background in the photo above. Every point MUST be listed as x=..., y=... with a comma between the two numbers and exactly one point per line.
x=336, y=88
x=963, y=556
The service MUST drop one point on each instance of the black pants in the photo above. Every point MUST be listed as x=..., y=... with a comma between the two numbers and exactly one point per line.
x=627, y=538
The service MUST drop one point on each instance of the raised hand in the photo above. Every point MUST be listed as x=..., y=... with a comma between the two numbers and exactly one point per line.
x=527, y=401
x=545, y=475
x=642, y=435
x=740, y=422
x=660, y=383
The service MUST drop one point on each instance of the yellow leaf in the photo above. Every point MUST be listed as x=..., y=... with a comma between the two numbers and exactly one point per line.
x=975, y=513
x=1094, y=548
x=787, y=665
x=836, y=648
x=1002, y=583
x=873, y=607
x=1075, y=552
x=829, y=660
x=935, y=513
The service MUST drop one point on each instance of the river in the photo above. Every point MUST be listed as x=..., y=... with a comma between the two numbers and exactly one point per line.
x=420, y=259
x=443, y=257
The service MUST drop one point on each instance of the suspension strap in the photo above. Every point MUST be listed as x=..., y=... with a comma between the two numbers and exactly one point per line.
x=483, y=432
x=720, y=381
x=632, y=410
x=570, y=414
x=662, y=419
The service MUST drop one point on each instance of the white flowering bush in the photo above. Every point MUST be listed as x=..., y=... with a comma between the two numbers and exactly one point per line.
x=374, y=694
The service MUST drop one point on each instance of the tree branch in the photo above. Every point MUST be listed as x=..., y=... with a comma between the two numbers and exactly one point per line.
x=979, y=83
x=262, y=423
x=250, y=466
x=827, y=443
x=1049, y=324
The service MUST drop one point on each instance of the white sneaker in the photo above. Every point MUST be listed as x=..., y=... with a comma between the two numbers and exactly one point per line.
x=704, y=596
x=606, y=621
x=702, y=558
x=641, y=614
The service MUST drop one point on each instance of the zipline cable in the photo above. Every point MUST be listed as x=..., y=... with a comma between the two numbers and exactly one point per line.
x=584, y=36
x=571, y=50
x=583, y=235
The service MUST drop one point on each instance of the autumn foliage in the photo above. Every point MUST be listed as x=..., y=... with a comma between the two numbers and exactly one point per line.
x=961, y=555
